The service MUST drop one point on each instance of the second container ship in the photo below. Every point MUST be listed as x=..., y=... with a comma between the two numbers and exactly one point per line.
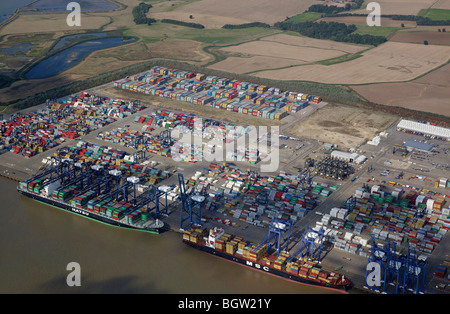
x=235, y=249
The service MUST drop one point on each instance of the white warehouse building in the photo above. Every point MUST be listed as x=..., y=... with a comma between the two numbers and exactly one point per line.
x=349, y=157
x=427, y=129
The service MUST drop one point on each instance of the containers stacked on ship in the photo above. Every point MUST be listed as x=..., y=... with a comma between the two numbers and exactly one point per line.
x=236, y=249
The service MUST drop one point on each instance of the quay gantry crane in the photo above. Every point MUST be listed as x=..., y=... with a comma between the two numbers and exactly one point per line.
x=404, y=272
x=392, y=269
x=310, y=245
x=414, y=273
x=191, y=205
x=374, y=266
x=276, y=229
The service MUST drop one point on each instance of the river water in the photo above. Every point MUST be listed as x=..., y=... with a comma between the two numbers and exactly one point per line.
x=38, y=241
x=8, y=7
x=67, y=58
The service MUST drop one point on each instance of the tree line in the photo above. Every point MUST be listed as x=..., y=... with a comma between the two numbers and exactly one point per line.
x=330, y=30
x=187, y=24
x=246, y=25
x=420, y=20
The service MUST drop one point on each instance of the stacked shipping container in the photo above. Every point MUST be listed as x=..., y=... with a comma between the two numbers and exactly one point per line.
x=32, y=133
x=412, y=219
x=232, y=95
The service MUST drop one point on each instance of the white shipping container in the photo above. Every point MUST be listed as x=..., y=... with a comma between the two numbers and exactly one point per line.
x=430, y=204
x=48, y=189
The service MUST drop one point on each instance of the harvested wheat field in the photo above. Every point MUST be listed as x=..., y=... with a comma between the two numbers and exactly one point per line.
x=433, y=38
x=441, y=4
x=430, y=93
x=344, y=126
x=278, y=51
x=246, y=65
x=404, y=7
x=389, y=62
x=302, y=41
x=216, y=13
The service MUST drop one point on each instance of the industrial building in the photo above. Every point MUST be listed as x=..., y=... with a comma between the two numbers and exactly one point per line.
x=423, y=129
x=411, y=145
x=349, y=157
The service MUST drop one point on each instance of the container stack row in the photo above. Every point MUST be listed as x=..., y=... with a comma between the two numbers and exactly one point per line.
x=195, y=126
x=71, y=117
x=218, y=92
x=251, y=198
x=398, y=217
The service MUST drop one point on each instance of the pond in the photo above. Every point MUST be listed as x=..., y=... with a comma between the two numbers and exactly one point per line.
x=23, y=48
x=66, y=40
x=67, y=58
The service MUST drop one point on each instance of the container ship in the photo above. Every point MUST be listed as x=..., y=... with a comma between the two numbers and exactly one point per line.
x=90, y=206
x=235, y=249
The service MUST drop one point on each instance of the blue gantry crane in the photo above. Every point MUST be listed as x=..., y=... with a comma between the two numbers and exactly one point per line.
x=392, y=268
x=164, y=190
x=279, y=231
x=310, y=245
x=403, y=272
x=414, y=272
x=191, y=206
x=149, y=198
x=374, y=266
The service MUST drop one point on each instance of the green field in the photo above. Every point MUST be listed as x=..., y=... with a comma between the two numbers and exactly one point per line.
x=376, y=30
x=306, y=17
x=437, y=14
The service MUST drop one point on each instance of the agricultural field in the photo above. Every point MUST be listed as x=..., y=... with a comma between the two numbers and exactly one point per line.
x=280, y=51
x=216, y=13
x=441, y=4
x=429, y=93
x=437, y=14
x=388, y=62
x=404, y=7
x=253, y=63
x=432, y=37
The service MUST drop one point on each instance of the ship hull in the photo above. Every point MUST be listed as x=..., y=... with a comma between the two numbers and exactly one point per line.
x=266, y=269
x=88, y=214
